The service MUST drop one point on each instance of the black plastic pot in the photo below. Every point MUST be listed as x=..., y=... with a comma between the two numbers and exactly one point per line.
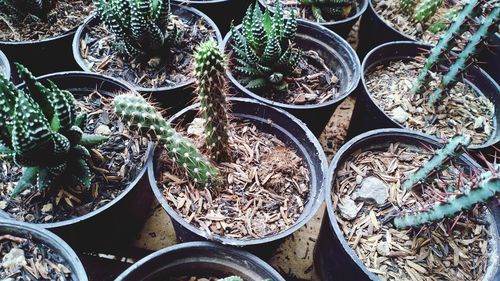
x=199, y=259
x=234, y=10
x=286, y=128
x=489, y=58
x=116, y=223
x=334, y=259
x=367, y=115
x=341, y=27
x=4, y=66
x=173, y=98
x=337, y=54
x=40, y=235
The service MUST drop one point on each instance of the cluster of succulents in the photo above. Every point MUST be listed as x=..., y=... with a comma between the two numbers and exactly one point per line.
x=457, y=61
x=41, y=131
x=331, y=9
x=479, y=190
x=426, y=12
x=18, y=9
x=264, y=50
x=141, y=27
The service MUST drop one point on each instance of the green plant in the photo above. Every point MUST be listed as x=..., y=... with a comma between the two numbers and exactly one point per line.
x=329, y=8
x=18, y=9
x=263, y=48
x=41, y=131
x=231, y=278
x=140, y=114
x=210, y=65
x=426, y=9
x=142, y=27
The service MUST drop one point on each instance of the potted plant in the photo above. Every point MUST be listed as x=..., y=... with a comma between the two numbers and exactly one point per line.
x=81, y=174
x=4, y=66
x=439, y=95
x=401, y=205
x=200, y=260
x=38, y=34
x=424, y=21
x=151, y=48
x=35, y=253
x=291, y=64
x=257, y=173
x=338, y=16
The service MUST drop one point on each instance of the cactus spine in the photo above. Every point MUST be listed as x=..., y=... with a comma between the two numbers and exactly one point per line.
x=140, y=114
x=210, y=65
x=480, y=191
x=426, y=9
x=451, y=150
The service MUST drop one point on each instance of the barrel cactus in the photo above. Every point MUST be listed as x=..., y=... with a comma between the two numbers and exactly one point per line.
x=263, y=48
x=41, y=131
x=18, y=9
x=329, y=8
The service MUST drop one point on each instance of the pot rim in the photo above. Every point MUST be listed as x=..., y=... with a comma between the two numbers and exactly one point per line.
x=94, y=17
x=5, y=64
x=303, y=219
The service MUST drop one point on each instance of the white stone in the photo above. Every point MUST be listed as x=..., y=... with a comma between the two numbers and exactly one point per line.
x=13, y=260
x=197, y=127
x=103, y=130
x=372, y=190
x=400, y=115
x=348, y=208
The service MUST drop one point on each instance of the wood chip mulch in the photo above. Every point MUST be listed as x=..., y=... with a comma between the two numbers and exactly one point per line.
x=453, y=249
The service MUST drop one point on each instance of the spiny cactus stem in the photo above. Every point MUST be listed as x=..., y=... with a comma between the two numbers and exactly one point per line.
x=426, y=9
x=452, y=149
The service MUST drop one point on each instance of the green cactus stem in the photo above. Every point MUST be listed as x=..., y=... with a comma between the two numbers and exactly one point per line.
x=232, y=278
x=480, y=191
x=407, y=6
x=135, y=110
x=448, y=81
x=451, y=150
x=441, y=23
x=210, y=65
x=426, y=9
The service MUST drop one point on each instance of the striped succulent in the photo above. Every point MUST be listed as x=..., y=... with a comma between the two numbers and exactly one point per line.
x=334, y=9
x=141, y=27
x=41, y=131
x=263, y=48
x=18, y=9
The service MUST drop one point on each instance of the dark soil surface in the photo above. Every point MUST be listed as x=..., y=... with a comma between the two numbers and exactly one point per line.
x=66, y=15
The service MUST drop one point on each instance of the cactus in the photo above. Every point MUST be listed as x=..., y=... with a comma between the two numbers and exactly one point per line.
x=139, y=113
x=407, y=6
x=210, y=65
x=263, y=48
x=232, y=278
x=451, y=150
x=331, y=8
x=479, y=191
x=443, y=22
x=41, y=131
x=142, y=27
x=426, y=9
x=19, y=9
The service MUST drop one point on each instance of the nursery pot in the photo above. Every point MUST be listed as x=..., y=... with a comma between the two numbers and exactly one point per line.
x=172, y=98
x=215, y=10
x=40, y=235
x=290, y=131
x=367, y=115
x=334, y=259
x=4, y=66
x=337, y=54
x=199, y=259
x=489, y=57
x=117, y=222
x=342, y=27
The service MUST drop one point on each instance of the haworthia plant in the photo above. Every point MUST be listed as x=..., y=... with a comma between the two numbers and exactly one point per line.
x=140, y=114
x=142, y=27
x=426, y=9
x=210, y=65
x=18, y=9
x=329, y=8
x=41, y=131
x=263, y=48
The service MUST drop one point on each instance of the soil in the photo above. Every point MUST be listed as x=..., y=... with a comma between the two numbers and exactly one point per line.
x=115, y=164
x=265, y=188
x=99, y=54
x=66, y=16
x=389, y=11
x=304, y=11
x=453, y=249
x=462, y=110
x=25, y=259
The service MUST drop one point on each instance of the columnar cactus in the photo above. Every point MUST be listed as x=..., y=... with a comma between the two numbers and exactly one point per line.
x=426, y=9
x=479, y=191
x=443, y=22
x=140, y=114
x=330, y=8
x=210, y=65
x=18, y=9
x=41, y=131
x=142, y=27
x=264, y=50
x=452, y=149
